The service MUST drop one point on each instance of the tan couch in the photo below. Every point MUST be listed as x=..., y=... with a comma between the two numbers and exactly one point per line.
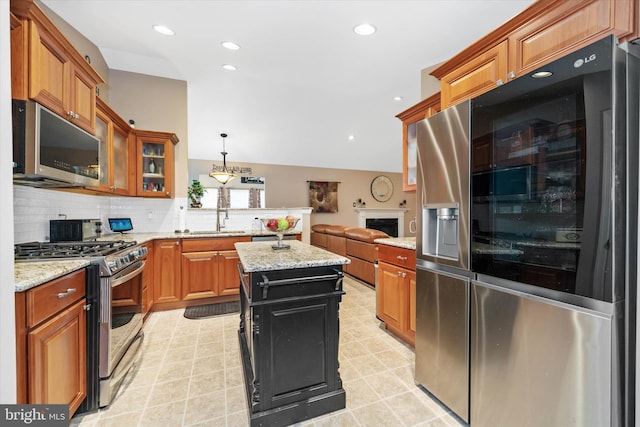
x=352, y=242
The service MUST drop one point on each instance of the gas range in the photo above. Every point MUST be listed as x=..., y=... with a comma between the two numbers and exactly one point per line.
x=111, y=255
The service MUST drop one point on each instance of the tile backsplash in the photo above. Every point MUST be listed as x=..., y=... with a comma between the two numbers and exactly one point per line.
x=33, y=208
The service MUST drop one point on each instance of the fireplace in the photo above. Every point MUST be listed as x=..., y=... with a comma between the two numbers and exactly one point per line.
x=388, y=225
x=391, y=219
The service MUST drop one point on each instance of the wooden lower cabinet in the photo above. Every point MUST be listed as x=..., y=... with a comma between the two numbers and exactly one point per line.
x=194, y=269
x=57, y=359
x=51, y=342
x=396, y=292
x=166, y=271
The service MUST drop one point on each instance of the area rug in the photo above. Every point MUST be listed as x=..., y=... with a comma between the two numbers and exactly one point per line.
x=211, y=310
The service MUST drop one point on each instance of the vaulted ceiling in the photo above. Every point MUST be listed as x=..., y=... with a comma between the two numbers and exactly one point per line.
x=304, y=83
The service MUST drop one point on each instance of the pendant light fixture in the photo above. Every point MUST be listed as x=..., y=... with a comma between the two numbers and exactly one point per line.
x=223, y=174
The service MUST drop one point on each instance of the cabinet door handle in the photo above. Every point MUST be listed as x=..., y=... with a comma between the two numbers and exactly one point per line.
x=402, y=258
x=511, y=75
x=66, y=294
x=86, y=307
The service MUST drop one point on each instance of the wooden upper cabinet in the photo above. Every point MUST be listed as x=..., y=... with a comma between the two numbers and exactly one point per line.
x=569, y=27
x=547, y=30
x=117, y=154
x=55, y=74
x=155, y=163
x=477, y=76
x=425, y=108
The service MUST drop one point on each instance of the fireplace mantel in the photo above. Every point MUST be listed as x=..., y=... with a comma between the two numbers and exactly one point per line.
x=398, y=213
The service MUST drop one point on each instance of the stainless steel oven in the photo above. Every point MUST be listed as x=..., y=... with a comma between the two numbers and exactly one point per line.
x=120, y=326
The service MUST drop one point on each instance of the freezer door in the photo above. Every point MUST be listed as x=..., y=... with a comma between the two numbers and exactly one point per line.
x=442, y=338
x=443, y=186
x=538, y=362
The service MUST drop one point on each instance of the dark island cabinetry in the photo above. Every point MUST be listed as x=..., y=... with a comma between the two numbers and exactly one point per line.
x=289, y=332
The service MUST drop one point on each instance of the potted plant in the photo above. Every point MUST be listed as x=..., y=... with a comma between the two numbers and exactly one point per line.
x=195, y=193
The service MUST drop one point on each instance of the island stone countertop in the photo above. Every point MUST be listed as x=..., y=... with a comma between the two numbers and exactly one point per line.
x=400, y=242
x=30, y=274
x=260, y=256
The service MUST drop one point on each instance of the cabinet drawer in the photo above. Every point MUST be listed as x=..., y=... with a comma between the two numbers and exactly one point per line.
x=397, y=256
x=54, y=296
x=212, y=244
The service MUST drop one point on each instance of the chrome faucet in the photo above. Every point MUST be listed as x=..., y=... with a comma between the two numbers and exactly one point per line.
x=226, y=216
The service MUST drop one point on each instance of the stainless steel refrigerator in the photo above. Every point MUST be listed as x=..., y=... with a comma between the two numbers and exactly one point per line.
x=527, y=246
x=442, y=258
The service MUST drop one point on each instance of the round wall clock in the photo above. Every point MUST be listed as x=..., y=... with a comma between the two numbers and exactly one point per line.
x=381, y=188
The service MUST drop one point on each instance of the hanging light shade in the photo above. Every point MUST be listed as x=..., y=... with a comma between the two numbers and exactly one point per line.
x=223, y=174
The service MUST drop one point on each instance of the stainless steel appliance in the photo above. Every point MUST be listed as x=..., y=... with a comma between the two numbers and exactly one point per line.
x=74, y=230
x=118, y=326
x=50, y=151
x=442, y=258
x=551, y=233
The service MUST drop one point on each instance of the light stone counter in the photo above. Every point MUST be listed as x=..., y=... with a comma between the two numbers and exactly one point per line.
x=30, y=274
x=259, y=256
x=400, y=242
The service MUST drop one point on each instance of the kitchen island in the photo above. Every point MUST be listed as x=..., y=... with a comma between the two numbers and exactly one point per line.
x=289, y=331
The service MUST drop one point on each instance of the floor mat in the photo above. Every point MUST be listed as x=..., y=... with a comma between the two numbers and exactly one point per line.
x=210, y=310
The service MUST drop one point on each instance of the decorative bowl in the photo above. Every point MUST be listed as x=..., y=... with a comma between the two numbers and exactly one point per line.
x=280, y=226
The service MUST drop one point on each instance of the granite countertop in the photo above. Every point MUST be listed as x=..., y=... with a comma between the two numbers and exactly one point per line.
x=33, y=273
x=400, y=242
x=259, y=256
x=29, y=274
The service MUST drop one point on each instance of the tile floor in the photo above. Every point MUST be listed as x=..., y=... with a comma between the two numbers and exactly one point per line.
x=190, y=375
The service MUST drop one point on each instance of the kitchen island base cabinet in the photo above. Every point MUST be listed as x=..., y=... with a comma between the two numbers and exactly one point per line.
x=288, y=334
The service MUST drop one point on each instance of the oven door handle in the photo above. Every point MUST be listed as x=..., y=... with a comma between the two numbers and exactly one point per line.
x=119, y=280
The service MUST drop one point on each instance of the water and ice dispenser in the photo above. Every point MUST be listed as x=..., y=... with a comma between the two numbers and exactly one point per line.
x=440, y=231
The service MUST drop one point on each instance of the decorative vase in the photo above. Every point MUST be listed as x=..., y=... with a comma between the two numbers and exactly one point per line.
x=195, y=201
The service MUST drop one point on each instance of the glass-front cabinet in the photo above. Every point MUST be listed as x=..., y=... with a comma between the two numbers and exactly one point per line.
x=425, y=108
x=155, y=152
x=117, y=158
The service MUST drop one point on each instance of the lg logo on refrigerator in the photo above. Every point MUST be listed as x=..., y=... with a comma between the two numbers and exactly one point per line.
x=580, y=62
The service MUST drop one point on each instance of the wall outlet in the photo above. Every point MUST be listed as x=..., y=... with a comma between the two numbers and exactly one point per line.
x=149, y=214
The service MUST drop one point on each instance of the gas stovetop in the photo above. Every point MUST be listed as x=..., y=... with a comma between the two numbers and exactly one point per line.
x=112, y=256
x=46, y=250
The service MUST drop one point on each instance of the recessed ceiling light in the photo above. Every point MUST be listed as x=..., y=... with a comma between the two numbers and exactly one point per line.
x=351, y=137
x=541, y=74
x=231, y=45
x=229, y=67
x=364, y=29
x=397, y=98
x=162, y=29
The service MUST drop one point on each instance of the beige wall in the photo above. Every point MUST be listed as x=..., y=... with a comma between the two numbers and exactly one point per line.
x=428, y=84
x=286, y=186
x=154, y=103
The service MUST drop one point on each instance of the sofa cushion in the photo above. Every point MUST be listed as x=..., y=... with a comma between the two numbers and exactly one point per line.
x=336, y=230
x=319, y=228
x=364, y=234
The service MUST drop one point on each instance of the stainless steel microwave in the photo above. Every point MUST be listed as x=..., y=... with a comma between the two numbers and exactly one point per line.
x=50, y=151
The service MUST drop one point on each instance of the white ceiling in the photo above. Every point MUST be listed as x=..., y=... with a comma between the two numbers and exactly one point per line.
x=304, y=80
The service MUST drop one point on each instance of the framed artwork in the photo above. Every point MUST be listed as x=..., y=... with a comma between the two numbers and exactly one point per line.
x=323, y=196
